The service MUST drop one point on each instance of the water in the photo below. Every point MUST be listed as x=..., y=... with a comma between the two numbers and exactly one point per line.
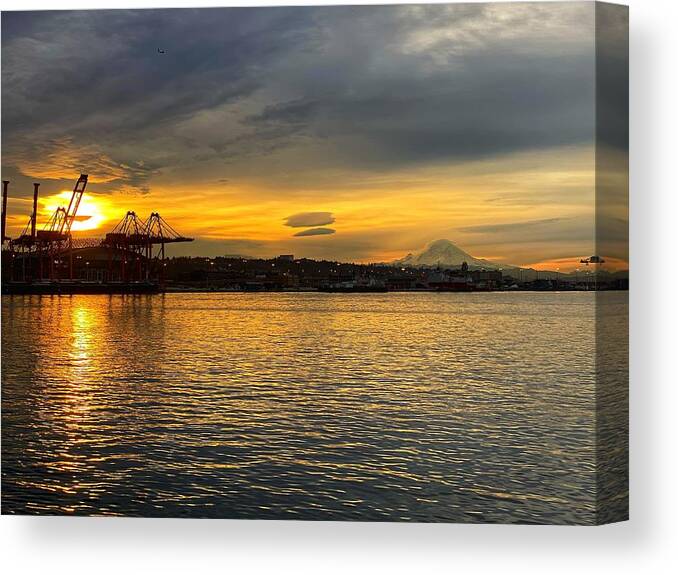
x=380, y=407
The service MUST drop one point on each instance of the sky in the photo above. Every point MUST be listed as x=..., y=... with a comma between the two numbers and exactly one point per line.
x=348, y=133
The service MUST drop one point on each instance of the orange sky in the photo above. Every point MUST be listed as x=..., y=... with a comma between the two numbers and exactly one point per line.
x=472, y=123
x=385, y=218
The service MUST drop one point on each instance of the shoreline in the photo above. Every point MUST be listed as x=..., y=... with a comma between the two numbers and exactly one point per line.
x=155, y=290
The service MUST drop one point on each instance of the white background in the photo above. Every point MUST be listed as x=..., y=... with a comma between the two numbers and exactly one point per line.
x=646, y=544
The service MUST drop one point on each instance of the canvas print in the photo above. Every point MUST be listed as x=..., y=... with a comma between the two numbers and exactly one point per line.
x=347, y=263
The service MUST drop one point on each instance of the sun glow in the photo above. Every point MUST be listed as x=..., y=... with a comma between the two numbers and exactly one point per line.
x=92, y=212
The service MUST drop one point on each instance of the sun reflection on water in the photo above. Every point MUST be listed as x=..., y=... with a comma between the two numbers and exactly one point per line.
x=394, y=406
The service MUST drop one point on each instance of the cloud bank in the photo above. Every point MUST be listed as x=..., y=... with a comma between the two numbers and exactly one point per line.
x=323, y=87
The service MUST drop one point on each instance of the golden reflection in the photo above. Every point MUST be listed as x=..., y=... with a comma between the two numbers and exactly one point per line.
x=362, y=393
x=73, y=341
x=82, y=339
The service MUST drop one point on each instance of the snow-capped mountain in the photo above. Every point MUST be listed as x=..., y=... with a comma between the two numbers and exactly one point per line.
x=444, y=253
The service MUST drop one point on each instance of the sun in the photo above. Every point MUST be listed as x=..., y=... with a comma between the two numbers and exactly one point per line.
x=91, y=212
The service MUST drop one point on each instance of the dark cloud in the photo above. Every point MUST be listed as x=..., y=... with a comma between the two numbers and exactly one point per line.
x=325, y=87
x=94, y=77
x=315, y=232
x=612, y=76
x=309, y=219
x=460, y=84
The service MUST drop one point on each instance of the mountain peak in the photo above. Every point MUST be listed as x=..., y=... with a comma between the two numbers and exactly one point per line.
x=436, y=243
x=442, y=253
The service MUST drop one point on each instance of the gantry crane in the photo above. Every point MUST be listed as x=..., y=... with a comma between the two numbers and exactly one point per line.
x=159, y=232
x=129, y=240
x=58, y=228
x=131, y=243
x=49, y=241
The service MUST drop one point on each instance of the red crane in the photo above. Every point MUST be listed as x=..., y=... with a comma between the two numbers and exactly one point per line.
x=74, y=204
x=160, y=232
x=48, y=252
x=129, y=241
x=58, y=230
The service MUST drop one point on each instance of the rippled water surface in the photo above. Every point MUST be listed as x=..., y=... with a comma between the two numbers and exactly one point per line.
x=398, y=406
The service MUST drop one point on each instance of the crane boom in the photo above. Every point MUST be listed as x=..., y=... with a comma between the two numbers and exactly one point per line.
x=73, y=205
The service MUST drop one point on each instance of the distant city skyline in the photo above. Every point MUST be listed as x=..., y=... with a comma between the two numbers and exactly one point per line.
x=355, y=134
